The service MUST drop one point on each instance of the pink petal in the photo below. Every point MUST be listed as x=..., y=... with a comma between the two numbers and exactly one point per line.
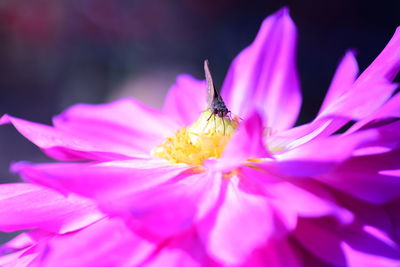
x=344, y=77
x=370, y=214
x=96, y=180
x=293, y=198
x=241, y=224
x=320, y=155
x=168, y=209
x=14, y=249
x=66, y=146
x=182, y=250
x=277, y=253
x=348, y=100
x=280, y=142
x=350, y=246
x=386, y=141
x=362, y=100
x=373, y=88
x=393, y=209
x=20, y=258
x=390, y=110
x=186, y=100
x=127, y=189
x=99, y=132
x=27, y=206
x=25, y=249
x=106, y=243
x=264, y=75
x=307, y=199
x=375, y=179
x=126, y=124
x=387, y=64
x=247, y=142
x=371, y=174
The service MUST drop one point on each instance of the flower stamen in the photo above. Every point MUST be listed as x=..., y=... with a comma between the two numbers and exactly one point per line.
x=200, y=141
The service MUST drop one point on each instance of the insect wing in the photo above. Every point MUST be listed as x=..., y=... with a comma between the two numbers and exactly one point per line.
x=210, y=84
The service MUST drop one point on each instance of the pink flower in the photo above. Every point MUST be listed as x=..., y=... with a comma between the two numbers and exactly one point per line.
x=172, y=189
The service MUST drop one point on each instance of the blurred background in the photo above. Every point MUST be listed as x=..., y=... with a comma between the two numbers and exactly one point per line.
x=56, y=53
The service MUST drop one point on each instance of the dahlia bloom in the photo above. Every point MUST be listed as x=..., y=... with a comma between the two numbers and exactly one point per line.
x=175, y=187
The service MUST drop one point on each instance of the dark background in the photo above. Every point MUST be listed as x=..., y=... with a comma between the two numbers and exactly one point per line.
x=56, y=53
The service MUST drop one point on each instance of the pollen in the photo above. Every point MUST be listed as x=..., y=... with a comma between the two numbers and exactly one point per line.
x=204, y=139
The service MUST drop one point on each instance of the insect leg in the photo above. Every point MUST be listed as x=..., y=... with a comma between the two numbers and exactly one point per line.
x=207, y=121
x=223, y=122
x=215, y=124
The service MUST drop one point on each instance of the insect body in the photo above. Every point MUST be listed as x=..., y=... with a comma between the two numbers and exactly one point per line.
x=215, y=102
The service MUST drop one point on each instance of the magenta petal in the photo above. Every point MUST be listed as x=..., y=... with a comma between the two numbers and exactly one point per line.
x=56, y=143
x=277, y=253
x=311, y=200
x=348, y=246
x=387, y=64
x=26, y=206
x=375, y=179
x=264, y=75
x=241, y=224
x=167, y=209
x=125, y=126
x=183, y=250
x=19, y=258
x=320, y=155
x=186, y=100
x=373, y=88
x=390, y=110
x=106, y=243
x=128, y=189
x=297, y=136
x=344, y=77
x=14, y=249
x=64, y=145
x=101, y=180
x=247, y=142
x=361, y=100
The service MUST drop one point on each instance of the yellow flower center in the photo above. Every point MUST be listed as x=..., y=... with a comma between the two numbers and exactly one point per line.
x=204, y=139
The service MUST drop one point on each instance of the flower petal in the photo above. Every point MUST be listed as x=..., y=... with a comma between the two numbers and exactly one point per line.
x=264, y=75
x=26, y=206
x=286, y=140
x=293, y=198
x=361, y=100
x=344, y=78
x=97, y=180
x=390, y=110
x=110, y=131
x=375, y=178
x=242, y=223
x=320, y=155
x=19, y=258
x=127, y=189
x=373, y=88
x=307, y=200
x=126, y=124
x=349, y=246
x=106, y=243
x=13, y=249
x=247, y=142
x=387, y=64
x=277, y=253
x=182, y=250
x=186, y=100
x=168, y=209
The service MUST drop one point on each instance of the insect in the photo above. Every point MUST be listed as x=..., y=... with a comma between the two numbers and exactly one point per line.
x=215, y=102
